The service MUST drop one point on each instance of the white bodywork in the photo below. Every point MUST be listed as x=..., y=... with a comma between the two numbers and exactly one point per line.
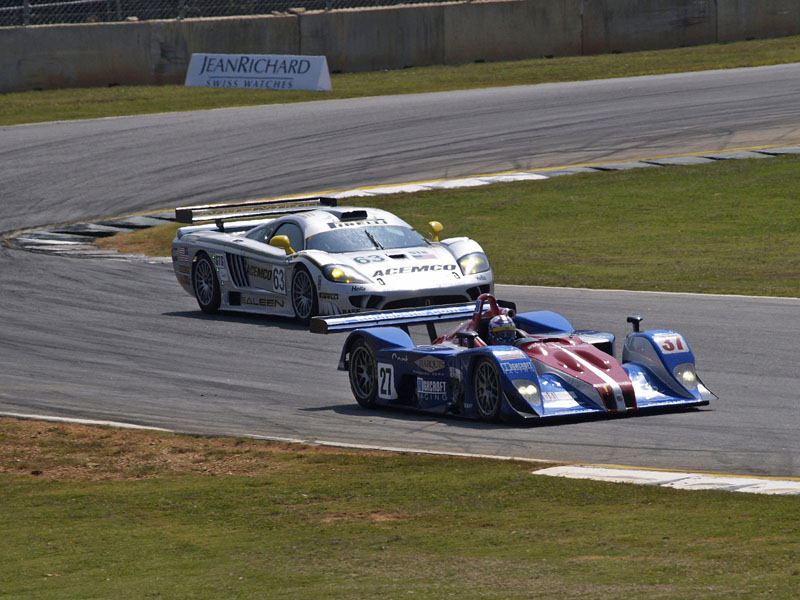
x=254, y=276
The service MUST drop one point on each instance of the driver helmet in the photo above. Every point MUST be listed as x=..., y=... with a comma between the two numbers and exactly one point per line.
x=502, y=330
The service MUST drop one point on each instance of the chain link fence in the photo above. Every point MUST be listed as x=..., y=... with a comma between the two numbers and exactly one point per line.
x=15, y=13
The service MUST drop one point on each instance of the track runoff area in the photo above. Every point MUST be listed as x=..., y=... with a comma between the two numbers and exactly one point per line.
x=598, y=472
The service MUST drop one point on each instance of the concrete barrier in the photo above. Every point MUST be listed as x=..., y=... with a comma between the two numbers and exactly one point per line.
x=492, y=31
x=149, y=52
x=631, y=25
x=748, y=19
x=157, y=52
x=374, y=39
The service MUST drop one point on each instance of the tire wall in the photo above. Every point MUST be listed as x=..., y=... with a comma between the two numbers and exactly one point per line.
x=157, y=52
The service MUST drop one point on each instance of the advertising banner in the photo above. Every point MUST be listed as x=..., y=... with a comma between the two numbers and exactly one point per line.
x=259, y=72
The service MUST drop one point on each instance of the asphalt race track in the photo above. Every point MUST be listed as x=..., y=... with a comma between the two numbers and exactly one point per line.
x=119, y=340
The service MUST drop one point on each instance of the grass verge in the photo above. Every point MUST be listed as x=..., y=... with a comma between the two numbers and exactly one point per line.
x=102, y=513
x=729, y=227
x=52, y=105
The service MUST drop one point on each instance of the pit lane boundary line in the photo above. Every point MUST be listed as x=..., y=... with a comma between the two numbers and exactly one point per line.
x=688, y=481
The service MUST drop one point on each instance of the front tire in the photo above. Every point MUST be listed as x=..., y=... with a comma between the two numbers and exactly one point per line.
x=363, y=372
x=488, y=390
x=304, y=295
x=206, y=285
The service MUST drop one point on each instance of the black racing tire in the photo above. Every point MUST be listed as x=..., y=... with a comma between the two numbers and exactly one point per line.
x=487, y=389
x=304, y=295
x=362, y=370
x=206, y=284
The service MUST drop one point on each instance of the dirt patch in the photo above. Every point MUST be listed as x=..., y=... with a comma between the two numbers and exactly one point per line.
x=58, y=451
x=374, y=517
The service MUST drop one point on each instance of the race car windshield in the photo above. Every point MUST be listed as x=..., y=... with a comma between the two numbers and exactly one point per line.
x=353, y=239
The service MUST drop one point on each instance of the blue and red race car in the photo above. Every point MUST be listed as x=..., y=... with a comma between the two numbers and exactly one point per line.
x=531, y=365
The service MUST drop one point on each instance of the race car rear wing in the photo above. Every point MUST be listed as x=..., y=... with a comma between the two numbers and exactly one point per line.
x=219, y=213
x=403, y=318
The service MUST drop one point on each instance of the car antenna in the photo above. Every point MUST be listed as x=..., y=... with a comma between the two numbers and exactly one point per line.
x=635, y=320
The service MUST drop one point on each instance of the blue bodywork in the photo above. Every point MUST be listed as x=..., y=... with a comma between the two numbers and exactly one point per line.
x=553, y=371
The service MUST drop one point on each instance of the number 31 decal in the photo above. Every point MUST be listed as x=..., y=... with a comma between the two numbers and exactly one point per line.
x=671, y=343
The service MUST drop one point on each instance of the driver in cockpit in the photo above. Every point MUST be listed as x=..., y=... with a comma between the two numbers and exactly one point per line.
x=502, y=331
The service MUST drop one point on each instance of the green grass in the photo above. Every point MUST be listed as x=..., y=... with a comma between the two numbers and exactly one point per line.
x=729, y=227
x=302, y=523
x=51, y=105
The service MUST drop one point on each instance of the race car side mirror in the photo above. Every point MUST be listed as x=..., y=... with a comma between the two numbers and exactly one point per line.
x=469, y=336
x=436, y=228
x=635, y=320
x=282, y=241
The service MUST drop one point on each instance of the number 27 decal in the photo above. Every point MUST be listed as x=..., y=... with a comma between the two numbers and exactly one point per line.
x=386, y=388
x=671, y=343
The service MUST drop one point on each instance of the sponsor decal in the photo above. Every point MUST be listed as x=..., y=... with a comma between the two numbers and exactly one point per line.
x=456, y=374
x=219, y=260
x=358, y=288
x=412, y=269
x=422, y=255
x=264, y=273
x=254, y=64
x=399, y=357
x=262, y=302
x=516, y=367
x=509, y=354
x=183, y=254
x=342, y=224
x=184, y=269
x=406, y=314
x=431, y=364
x=431, y=390
x=560, y=396
x=328, y=296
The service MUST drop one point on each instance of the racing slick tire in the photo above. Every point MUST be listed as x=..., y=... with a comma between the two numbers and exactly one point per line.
x=304, y=295
x=363, y=374
x=206, y=285
x=488, y=390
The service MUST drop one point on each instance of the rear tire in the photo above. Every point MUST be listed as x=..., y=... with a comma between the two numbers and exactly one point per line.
x=206, y=285
x=363, y=372
x=488, y=390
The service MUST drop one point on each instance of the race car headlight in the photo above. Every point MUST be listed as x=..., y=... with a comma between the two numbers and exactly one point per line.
x=343, y=274
x=528, y=390
x=473, y=263
x=686, y=376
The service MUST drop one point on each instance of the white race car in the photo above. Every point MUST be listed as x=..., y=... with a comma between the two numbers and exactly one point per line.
x=311, y=257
